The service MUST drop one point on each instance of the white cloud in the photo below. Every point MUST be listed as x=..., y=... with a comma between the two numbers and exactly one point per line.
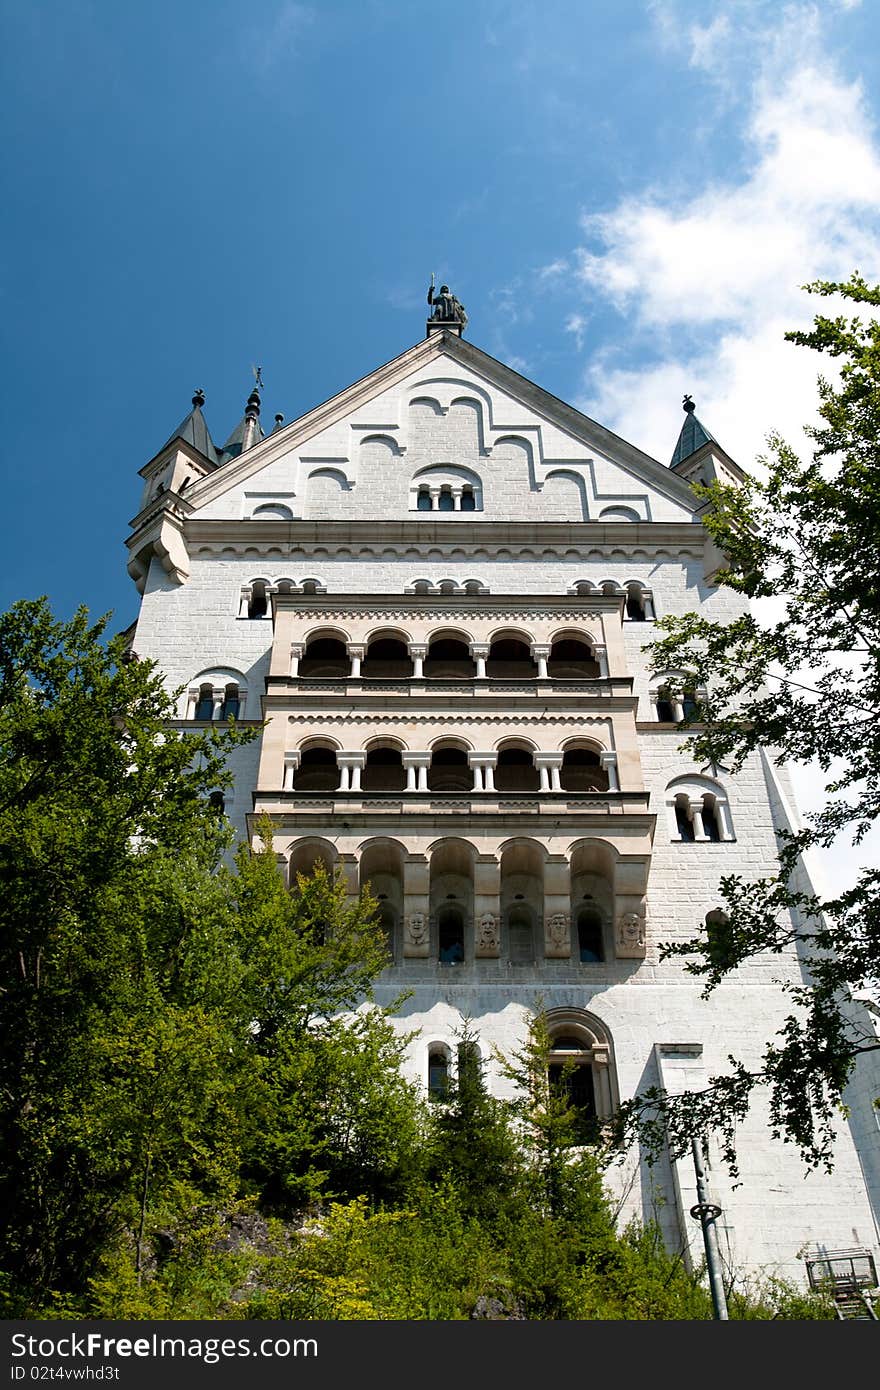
x=720, y=270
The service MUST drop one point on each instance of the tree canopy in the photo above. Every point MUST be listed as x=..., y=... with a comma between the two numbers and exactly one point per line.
x=803, y=683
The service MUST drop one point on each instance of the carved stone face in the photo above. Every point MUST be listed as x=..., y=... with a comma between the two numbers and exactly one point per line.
x=632, y=929
x=557, y=926
x=488, y=930
x=417, y=928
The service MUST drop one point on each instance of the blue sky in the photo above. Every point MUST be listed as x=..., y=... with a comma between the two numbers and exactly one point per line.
x=626, y=194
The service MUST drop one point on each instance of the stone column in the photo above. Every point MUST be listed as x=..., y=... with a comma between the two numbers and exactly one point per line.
x=297, y=650
x=725, y=821
x=549, y=765
x=600, y=652
x=418, y=651
x=541, y=654
x=416, y=905
x=602, y=1081
x=609, y=762
x=350, y=766
x=192, y=699
x=476, y=768
x=416, y=765
x=291, y=763
x=557, y=907
x=219, y=696
x=356, y=653
x=480, y=652
x=244, y=602
x=456, y=499
x=483, y=765
x=695, y=815
x=648, y=605
x=487, y=907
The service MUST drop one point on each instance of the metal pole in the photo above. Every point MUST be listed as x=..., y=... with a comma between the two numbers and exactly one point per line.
x=707, y=1213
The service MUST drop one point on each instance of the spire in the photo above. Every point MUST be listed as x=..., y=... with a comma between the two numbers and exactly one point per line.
x=193, y=430
x=693, y=434
x=248, y=431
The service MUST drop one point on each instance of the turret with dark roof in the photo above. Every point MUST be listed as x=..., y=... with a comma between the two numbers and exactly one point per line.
x=248, y=431
x=693, y=435
x=193, y=430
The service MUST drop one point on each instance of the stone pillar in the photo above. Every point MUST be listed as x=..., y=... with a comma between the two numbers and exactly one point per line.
x=456, y=499
x=600, y=652
x=244, y=602
x=418, y=651
x=356, y=653
x=480, y=652
x=602, y=1080
x=416, y=766
x=483, y=765
x=677, y=708
x=557, y=907
x=549, y=765
x=291, y=763
x=725, y=821
x=695, y=815
x=350, y=766
x=609, y=762
x=476, y=768
x=297, y=650
x=541, y=654
x=648, y=605
x=192, y=699
x=218, y=703
x=416, y=905
x=487, y=907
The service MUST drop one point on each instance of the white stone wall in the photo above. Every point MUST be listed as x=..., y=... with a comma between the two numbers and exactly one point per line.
x=363, y=466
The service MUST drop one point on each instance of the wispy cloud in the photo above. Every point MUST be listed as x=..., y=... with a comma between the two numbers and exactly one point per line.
x=714, y=277
x=281, y=35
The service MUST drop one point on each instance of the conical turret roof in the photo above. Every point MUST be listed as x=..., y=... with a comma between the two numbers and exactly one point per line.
x=693, y=435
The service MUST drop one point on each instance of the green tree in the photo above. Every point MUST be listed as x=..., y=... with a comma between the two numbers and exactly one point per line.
x=804, y=684
x=104, y=817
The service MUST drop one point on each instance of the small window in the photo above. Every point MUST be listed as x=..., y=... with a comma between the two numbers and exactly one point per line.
x=468, y=500
x=218, y=802
x=424, y=501
x=689, y=705
x=205, y=703
x=570, y=1074
x=231, y=703
x=665, y=712
x=711, y=823
x=438, y=1074
x=635, y=608
x=445, y=502
x=258, y=604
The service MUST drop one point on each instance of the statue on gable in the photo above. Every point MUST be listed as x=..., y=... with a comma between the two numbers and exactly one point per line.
x=447, y=309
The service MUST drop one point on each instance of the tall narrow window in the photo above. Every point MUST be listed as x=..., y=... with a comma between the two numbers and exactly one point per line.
x=570, y=1074
x=258, y=605
x=424, y=502
x=468, y=500
x=589, y=929
x=665, y=712
x=711, y=822
x=438, y=1074
x=205, y=703
x=445, y=502
x=231, y=703
x=450, y=937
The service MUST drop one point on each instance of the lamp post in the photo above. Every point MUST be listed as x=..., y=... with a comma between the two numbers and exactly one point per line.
x=707, y=1214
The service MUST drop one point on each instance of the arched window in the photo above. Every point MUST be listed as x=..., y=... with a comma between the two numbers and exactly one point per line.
x=205, y=703
x=450, y=936
x=449, y=659
x=449, y=771
x=438, y=1072
x=510, y=659
x=231, y=702
x=698, y=811
x=516, y=772
x=635, y=604
x=387, y=658
x=383, y=771
x=580, y=1069
x=468, y=501
x=424, y=501
x=571, y=659
x=325, y=657
x=317, y=771
x=258, y=603
x=218, y=802
x=446, y=502
x=582, y=771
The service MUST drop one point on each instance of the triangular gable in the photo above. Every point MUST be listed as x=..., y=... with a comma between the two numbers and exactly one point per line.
x=558, y=442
